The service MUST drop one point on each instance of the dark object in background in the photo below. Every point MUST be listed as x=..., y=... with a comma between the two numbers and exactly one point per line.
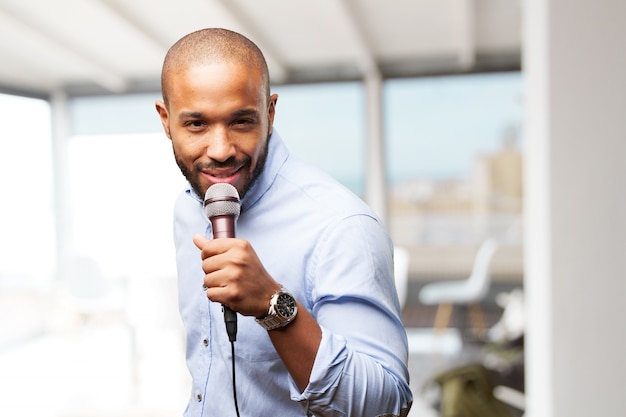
x=467, y=391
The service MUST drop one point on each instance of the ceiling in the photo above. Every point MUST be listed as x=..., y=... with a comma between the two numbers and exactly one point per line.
x=87, y=47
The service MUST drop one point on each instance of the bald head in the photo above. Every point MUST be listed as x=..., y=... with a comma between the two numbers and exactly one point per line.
x=208, y=46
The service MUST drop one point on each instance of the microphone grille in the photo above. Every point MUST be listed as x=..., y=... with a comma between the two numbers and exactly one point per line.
x=222, y=199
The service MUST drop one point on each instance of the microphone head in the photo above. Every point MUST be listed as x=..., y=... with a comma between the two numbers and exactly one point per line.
x=222, y=199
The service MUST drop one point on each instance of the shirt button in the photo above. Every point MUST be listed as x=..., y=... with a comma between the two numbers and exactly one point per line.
x=199, y=397
x=205, y=342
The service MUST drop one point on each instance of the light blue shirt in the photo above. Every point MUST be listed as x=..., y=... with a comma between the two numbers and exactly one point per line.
x=330, y=251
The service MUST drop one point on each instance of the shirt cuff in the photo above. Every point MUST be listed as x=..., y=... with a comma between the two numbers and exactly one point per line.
x=327, y=369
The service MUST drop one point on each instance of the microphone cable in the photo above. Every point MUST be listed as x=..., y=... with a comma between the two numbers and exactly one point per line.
x=232, y=349
x=230, y=319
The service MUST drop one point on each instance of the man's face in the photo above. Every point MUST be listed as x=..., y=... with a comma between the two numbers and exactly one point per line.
x=219, y=120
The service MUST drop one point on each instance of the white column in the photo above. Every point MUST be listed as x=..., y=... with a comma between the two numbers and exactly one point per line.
x=575, y=178
x=376, y=177
x=60, y=121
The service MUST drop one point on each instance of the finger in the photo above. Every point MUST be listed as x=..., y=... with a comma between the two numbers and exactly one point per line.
x=217, y=294
x=211, y=247
x=200, y=240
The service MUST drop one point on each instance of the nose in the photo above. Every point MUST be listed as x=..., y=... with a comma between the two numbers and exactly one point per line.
x=220, y=147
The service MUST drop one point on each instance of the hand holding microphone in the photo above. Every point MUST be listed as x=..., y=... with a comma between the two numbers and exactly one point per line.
x=232, y=264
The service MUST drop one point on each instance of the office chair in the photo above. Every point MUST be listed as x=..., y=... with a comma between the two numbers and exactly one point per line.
x=470, y=291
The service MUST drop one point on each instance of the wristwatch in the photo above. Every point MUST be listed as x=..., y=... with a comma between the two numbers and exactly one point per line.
x=283, y=310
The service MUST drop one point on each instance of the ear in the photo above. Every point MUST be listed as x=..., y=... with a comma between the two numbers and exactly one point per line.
x=161, y=108
x=271, y=111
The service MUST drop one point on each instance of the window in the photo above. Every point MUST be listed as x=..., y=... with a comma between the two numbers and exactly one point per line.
x=27, y=242
x=27, y=238
x=454, y=158
x=324, y=125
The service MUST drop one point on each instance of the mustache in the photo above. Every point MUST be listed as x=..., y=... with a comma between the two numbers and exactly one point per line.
x=229, y=163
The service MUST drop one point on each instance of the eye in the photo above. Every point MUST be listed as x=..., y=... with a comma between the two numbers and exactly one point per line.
x=245, y=123
x=195, y=124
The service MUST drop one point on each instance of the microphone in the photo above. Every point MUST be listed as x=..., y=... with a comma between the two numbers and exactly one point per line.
x=222, y=206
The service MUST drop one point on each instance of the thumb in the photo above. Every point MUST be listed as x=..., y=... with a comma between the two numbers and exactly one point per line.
x=200, y=240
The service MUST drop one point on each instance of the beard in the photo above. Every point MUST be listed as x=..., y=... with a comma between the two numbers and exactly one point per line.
x=193, y=175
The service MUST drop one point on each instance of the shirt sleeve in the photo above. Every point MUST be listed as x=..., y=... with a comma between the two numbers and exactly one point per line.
x=360, y=368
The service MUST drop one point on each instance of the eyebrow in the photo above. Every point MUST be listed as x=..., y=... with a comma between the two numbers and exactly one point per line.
x=245, y=112
x=191, y=114
x=199, y=115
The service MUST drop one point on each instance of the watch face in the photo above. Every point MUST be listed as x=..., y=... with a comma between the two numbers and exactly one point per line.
x=286, y=305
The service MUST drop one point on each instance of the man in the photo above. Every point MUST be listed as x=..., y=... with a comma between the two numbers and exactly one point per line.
x=300, y=235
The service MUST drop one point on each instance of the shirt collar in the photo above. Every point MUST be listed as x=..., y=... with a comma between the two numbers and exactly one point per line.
x=277, y=154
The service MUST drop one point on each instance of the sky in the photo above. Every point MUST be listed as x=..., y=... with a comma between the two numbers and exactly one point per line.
x=436, y=126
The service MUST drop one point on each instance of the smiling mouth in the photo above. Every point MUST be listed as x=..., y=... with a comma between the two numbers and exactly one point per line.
x=223, y=175
x=227, y=171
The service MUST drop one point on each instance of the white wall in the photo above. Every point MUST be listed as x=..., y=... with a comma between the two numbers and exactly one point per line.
x=575, y=69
